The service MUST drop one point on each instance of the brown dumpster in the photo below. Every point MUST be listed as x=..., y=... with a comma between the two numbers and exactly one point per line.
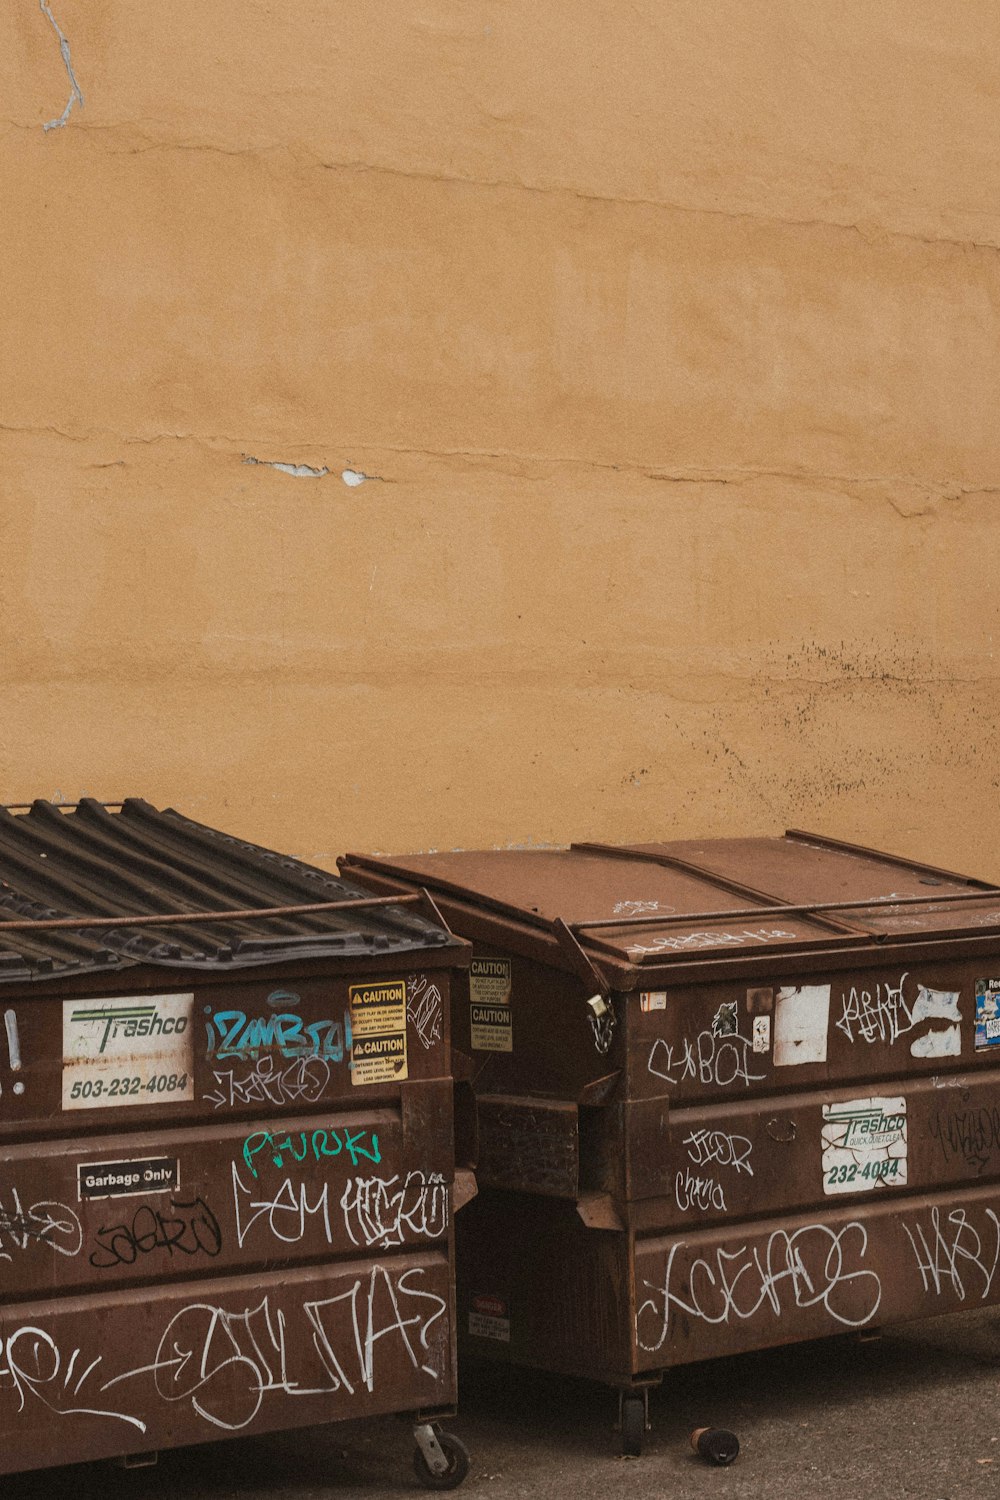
x=226, y=1146
x=730, y=1094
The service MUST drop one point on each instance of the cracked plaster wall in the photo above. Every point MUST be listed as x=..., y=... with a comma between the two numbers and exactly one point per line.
x=670, y=334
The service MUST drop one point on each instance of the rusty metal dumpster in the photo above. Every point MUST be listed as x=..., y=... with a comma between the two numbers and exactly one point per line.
x=730, y=1094
x=226, y=1153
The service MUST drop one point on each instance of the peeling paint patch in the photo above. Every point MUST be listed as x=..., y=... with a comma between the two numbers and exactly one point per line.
x=75, y=92
x=298, y=471
x=354, y=477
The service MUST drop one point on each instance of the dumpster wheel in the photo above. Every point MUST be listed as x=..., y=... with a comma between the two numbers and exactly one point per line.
x=633, y=1420
x=440, y=1460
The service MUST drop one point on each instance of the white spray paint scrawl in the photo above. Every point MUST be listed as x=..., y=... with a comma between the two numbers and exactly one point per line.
x=801, y=1021
x=864, y=1145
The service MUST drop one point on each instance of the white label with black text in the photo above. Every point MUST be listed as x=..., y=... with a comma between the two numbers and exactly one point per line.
x=134, y=1049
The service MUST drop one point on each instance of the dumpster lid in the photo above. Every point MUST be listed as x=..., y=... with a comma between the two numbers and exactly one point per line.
x=876, y=893
x=651, y=904
x=635, y=909
x=222, y=903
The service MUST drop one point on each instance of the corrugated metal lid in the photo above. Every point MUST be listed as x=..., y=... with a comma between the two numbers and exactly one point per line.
x=68, y=864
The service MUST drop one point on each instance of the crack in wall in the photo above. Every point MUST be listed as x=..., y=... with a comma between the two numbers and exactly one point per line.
x=354, y=166
x=929, y=493
x=75, y=92
x=869, y=231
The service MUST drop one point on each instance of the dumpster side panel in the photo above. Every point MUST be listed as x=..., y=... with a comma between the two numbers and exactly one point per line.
x=529, y=1145
x=102, y=1376
x=199, y=1050
x=219, y=1211
x=729, y=1040
x=527, y=1028
x=894, y=1139
x=174, y=1203
x=751, y=1286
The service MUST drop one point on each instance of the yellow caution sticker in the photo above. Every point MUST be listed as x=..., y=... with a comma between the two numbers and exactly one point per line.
x=378, y=1031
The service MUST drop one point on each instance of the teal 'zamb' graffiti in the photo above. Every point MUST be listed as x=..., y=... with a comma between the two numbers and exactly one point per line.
x=232, y=1033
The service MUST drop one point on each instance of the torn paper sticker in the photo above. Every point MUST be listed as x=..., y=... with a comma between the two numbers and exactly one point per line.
x=725, y=1022
x=762, y=1033
x=801, y=1020
x=937, y=1005
x=864, y=1145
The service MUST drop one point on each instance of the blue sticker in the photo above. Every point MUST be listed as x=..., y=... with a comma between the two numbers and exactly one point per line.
x=987, y=1013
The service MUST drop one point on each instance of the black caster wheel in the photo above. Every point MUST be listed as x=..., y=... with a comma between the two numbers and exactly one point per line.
x=458, y=1464
x=633, y=1425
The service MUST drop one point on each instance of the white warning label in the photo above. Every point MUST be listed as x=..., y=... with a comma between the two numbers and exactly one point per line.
x=489, y=994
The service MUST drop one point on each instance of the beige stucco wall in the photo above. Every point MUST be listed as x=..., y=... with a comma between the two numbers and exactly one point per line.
x=668, y=335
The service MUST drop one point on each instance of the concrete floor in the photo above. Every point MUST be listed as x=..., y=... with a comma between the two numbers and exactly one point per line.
x=916, y=1414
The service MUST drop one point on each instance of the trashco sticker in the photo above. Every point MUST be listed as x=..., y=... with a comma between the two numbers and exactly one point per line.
x=133, y=1049
x=864, y=1145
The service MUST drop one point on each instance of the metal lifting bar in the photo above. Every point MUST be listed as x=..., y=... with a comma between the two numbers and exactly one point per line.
x=83, y=924
x=672, y=919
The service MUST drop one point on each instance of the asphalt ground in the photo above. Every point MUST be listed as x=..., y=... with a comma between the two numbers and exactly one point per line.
x=914, y=1414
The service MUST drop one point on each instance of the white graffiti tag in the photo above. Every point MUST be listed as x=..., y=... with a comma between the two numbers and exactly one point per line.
x=270, y=1081
x=284, y=1208
x=815, y=1266
x=46, y=1223
x=705, y=1146
x=385, y=1211
x=951, y=1251
x=225, y=1359
x=703, y=1193
x=709, y=1059
x=423, y=1006
x=224, y=1362
x=883, y=1014
x=32, y=1362
x=690, y=941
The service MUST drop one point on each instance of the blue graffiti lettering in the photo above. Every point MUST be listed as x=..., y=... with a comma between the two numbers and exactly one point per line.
x=231, y=1033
